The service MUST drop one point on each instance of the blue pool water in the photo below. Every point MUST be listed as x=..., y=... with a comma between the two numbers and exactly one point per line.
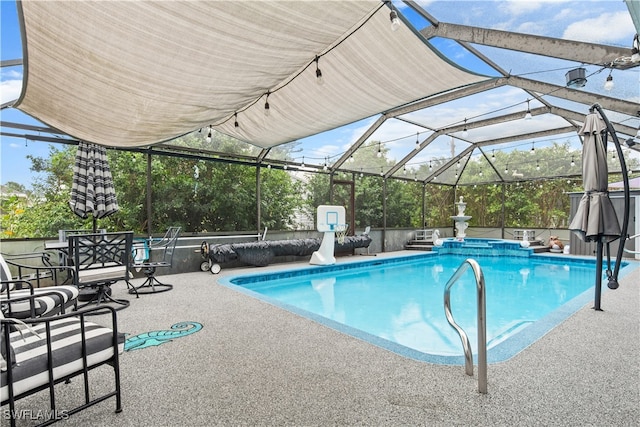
x=397, y=303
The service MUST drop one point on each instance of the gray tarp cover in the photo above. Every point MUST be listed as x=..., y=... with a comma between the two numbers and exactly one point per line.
x=262, y=253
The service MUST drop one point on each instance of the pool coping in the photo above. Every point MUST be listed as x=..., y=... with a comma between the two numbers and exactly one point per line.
x=501, y=352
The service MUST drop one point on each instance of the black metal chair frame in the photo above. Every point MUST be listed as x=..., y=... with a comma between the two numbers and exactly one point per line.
x=167, y=245
x=100, y=260
x=54, y=414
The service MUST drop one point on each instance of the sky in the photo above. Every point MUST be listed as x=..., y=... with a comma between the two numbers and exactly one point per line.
x=605, y=22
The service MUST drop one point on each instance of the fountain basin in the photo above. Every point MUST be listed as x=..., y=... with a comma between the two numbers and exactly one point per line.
x=482, y=247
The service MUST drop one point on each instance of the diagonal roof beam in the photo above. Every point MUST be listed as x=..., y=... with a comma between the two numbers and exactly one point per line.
x=608, y=103
x=413, y=153
x=577, y=117
x=354, y=147
x=459, y=128
x=447, y=96
x=530, y=135
x=586, y=53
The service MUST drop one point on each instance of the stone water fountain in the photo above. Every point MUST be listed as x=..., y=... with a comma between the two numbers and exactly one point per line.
x=461, y=220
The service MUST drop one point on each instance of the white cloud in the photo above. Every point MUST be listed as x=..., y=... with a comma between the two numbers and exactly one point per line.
x=606, y=28
x=10, y=90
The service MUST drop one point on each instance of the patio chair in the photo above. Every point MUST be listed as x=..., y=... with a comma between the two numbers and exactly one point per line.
x=166, y=247
x=37, y=354
x=20, y=299
x=100, y=260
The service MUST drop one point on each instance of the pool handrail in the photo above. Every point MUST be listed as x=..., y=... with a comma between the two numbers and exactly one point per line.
x=482, y=322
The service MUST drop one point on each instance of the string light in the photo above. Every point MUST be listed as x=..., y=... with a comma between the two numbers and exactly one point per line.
x=351, y=159
x=417, y=140
x=208, y=138
x=465, y=132
x=235, y=120
x=430, y=167
x=381, y=171
x=319, y=78
x=393, y=17
x=533, y=149
x=325, y=167
x=404, y=169
x=267, y=108
x=573, y=163
x=506, y=168
x=379, y=154
x=493, y=155
x=537, y=165
x=608, y=84
x=528, y=115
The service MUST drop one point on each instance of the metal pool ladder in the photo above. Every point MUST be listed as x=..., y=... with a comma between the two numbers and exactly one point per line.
x=482, y=322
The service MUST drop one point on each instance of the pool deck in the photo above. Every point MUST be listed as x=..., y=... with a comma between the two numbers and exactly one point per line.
x=255, y=364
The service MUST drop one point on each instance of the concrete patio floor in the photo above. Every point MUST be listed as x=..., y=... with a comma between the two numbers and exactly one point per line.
x=255, y=364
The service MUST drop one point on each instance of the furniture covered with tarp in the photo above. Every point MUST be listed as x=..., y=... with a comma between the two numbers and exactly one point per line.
x=263, y=252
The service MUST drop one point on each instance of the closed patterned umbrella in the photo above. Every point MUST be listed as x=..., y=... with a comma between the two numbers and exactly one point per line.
x=92, y=191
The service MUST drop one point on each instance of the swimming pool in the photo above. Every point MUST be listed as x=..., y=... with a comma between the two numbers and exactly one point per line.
x=397, y=303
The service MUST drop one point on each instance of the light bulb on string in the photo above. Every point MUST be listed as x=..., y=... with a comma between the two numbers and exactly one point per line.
x=302, y=164
x=493, y=155
x=417, y=140
x=351, y=159
x=404, y=169
x=319, y=78
x=528, y=115
x=208, y=138
x=465, y=132
x=379, y=153
x=533, y=149
x=573, y=163
x=235, y=120
x=430, y=167
x=395, y=21
x=537, y=166
x=608, y=84
x=267, y=107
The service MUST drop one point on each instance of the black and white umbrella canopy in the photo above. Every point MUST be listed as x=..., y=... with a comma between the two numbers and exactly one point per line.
x=92, y=191
x=595, y=218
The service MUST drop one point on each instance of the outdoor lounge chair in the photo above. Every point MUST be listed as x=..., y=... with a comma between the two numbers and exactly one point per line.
x=166, y=246
x=100, y=260
x=52, y=350
x=20, y=299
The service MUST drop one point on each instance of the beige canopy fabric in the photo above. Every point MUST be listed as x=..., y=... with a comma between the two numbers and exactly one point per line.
x=135, y=73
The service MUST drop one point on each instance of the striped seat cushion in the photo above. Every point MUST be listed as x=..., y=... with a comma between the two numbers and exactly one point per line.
x=31, y=372
x=55, y=297
x=107, y=273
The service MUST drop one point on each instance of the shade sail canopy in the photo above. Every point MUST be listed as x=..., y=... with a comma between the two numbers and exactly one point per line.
x=137, y=73
x=595, y=218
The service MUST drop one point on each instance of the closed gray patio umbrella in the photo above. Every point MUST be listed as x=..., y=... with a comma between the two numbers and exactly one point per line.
x=92, y=191
x=595, y=218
